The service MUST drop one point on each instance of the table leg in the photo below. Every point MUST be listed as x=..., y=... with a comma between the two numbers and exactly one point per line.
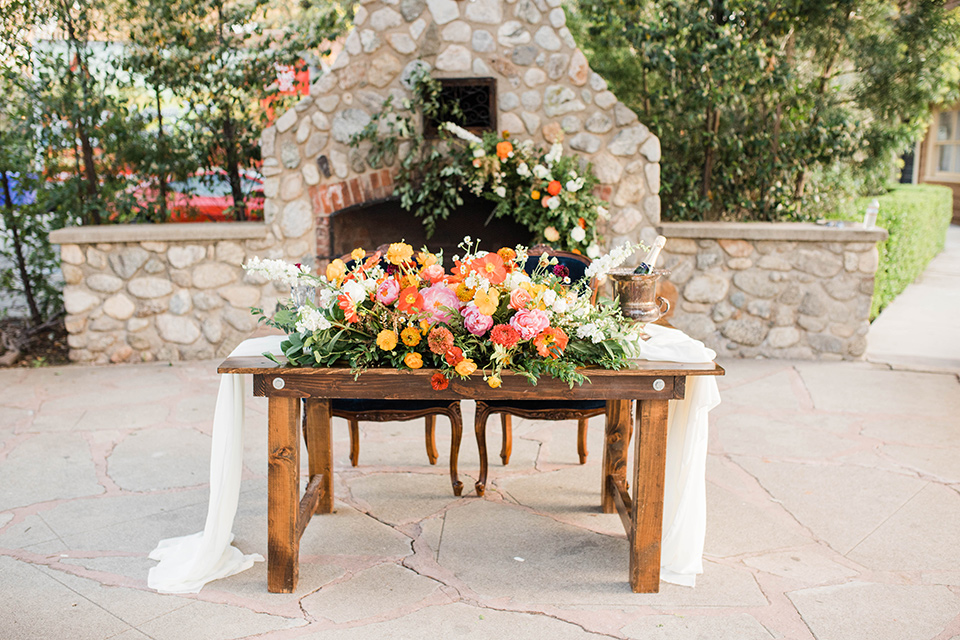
x=647, y=508
x=283, y=494
x=320, y=449
x=616, y=445
x=480, y=426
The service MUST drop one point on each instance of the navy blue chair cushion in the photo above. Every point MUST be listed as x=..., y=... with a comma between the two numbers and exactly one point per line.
x=360, y=404
x=576, y=267
x=533, y=405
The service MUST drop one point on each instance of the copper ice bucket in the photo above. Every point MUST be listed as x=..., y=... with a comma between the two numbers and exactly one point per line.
x=638, y=294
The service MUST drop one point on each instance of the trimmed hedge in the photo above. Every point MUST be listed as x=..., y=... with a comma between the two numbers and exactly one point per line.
x=917, y=217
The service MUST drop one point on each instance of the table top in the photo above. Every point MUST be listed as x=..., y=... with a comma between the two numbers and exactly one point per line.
x=638, y=380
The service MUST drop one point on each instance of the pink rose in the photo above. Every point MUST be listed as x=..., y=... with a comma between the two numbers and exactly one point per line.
x=519, y=298
x=435, y=299
x=475, y=322
x=433, y=273
x=529, y=322
x=388, y=291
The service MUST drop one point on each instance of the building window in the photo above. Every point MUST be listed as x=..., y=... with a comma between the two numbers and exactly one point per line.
x=476, y=98
x=945, y=147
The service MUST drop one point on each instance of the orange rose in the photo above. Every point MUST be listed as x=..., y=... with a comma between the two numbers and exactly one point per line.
x=504, y=149
x=554, y=187
x=413, y=360
x=465, y=367
x=494, y=382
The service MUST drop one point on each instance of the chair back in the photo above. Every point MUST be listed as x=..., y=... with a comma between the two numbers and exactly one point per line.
x=577, y=264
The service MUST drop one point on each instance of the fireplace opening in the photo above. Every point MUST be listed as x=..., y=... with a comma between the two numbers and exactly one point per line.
x=374, y=223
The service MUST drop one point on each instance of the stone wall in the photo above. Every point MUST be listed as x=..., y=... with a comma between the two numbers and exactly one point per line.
x=545, y=91
x=137, y=293
x=775, y=290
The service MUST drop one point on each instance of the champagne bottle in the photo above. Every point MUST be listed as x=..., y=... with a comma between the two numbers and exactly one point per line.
x=651, y=260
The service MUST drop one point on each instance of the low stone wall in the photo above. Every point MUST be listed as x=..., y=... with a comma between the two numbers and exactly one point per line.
x=137, y=293
x=777, y=290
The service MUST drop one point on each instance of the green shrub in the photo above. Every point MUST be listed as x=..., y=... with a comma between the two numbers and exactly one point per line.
x=917, y=217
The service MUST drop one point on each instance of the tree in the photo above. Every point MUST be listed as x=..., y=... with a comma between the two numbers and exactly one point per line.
x=774, y=110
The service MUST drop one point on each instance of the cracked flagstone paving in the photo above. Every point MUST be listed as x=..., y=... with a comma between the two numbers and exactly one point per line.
x=833, y=494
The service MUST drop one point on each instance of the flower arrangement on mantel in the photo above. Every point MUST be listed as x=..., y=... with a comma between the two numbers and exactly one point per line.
x=548, y=192
x=483, y=316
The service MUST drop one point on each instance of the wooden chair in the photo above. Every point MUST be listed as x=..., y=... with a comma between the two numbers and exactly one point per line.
x=579, y=410
x=381, y=410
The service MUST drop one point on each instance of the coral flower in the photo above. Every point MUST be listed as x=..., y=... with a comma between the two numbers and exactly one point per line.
x=487, y=300
x=535, y=195
x=399, y=252
x=519, y=298
x=387, y=340
x=440, y=340
x=453, y=356
x=465, y=367
x=439, y=382
x=490, y=267
x=551, y=342
x=413, y=360
x=554, y=187
x=346, y=304
x=504, y=335
x=410, y=336
x=545, y=203
x=336, y=270
x=476, y=322
x=410, y=300
x=494, y=382
x=504, y=149
x=433, y=273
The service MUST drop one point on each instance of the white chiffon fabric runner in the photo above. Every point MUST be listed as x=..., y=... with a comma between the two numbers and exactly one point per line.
x=187, y=563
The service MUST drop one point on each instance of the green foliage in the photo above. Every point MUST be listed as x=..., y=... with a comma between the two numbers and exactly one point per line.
x=765, y=109
x=917, y=217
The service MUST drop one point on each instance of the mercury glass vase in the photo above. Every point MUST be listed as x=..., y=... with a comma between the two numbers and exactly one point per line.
x=638, y=294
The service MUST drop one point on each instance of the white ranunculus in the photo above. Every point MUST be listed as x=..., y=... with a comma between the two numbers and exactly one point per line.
x=479, y=153
x=593, y=251
x=549, y=297
x=355, y=291
x=541, y=171
x=574, y=185
x=501, y=192
x=560, y=306
x=554, y=203
x=577, y=234
x=523, y=170
x=603, y=213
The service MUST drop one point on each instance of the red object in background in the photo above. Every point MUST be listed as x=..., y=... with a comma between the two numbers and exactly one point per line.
x=289, y=82
x=207, y=197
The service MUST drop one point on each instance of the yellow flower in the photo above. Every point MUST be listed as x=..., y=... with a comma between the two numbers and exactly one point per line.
x=465, y=367
x=336, y=270
x=358, y=254
x=413, y=360
x=410, y=336
x=494, y=382
x=464, y=293
x=535, y=290
x=387, y=340
x=399, y=252
x=535, y=194
x=487, y=300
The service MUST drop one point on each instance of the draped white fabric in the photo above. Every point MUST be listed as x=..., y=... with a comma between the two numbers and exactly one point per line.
x=189, y=562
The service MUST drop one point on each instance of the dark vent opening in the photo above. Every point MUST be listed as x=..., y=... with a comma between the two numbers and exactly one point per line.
x=477, y=98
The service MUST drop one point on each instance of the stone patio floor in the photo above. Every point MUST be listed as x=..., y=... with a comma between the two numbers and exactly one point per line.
x=833, y=493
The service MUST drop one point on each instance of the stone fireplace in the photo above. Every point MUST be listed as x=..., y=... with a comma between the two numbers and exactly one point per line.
x=321, y=194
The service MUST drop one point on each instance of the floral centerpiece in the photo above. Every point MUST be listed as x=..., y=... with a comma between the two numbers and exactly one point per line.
x=482, y=316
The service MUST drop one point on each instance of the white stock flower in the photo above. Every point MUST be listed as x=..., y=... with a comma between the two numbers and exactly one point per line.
x=593, y=251
x=461, y=133
x=577, y=234
x=310, y=319
x=556, y=152
x=277, y=270
x=326, y=298
x=601, y=266
x=561, y=305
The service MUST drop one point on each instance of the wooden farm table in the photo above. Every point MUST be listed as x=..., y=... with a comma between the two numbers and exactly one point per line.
x=651, y=383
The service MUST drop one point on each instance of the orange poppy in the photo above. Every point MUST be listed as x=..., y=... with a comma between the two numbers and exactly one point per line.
x=551, y=342
x=410, y=300
x=490, y=267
